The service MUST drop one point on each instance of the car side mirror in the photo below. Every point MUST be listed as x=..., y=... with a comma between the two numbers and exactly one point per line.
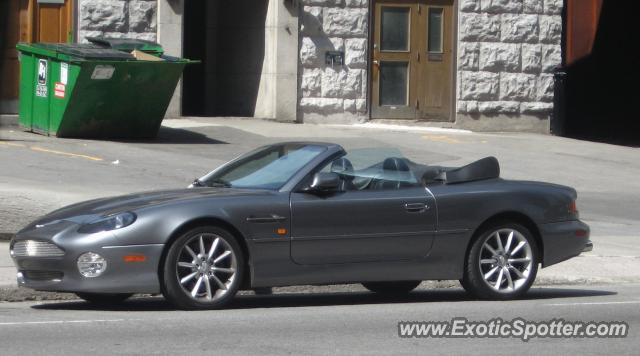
x=325, y=182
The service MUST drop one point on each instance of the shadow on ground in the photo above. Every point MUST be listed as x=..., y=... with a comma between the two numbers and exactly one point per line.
x=175, y=136
x=292, y=300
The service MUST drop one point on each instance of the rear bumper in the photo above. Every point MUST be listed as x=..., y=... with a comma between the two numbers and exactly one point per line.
x=563, y=240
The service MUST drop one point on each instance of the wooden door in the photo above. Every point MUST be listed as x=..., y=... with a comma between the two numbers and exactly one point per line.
x=412, y=61
x=10, y=65
x=49, y=21
x=31, y=21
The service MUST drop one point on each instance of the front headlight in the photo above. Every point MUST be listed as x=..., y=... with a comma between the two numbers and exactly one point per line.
x=108, y=223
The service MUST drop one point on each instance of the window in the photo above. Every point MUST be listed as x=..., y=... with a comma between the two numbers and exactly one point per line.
x=373, y=169
x=394, y=29
x=268, y=168
x=435, y=25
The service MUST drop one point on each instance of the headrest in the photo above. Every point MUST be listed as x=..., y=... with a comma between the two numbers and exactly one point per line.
x=395, y=164
x=342, y=166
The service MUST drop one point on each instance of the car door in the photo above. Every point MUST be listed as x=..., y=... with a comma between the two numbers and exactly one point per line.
x=388, y=222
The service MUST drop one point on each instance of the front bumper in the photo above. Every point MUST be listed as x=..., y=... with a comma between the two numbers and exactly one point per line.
x=564, y=240
x=61, y=273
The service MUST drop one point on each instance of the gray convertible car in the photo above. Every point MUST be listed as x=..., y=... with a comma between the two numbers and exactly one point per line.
x=307, y=213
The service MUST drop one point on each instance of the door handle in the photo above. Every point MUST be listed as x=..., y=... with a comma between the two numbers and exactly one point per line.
x=415, y=207
x=266, y=219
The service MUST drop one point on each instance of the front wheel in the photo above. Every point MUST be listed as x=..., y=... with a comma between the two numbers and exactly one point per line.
x=203, y=269
x=400, y=287
x=502, y=263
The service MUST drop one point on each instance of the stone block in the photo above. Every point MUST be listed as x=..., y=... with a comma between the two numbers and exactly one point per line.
x=532, y=6
x=311, y=20
x=470, y=5
x=311, y=82
x=536, y=108
x=479, y=27
x=479, y=85
x=349, y=105
x=312, y=49
x=500, y=57
x=517, y=87
x=341, y=83
x=356, y=54
x=550, y=29
x=501, y=6
x=519, y=28
x=142, y=16
x=322, y=105
x=553, y=7
x=551, y=57
x=546, y=86
x=349, y=22
x=531, y=58
x=103, y=15
x=468, y=56
x=499, y=107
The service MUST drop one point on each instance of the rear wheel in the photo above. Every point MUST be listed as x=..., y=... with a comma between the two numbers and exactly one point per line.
x=502, y=262
x=203, y=269
x=104, y=298
x=400, y=287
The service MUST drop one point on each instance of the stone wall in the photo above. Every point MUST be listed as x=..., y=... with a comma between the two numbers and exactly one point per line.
x=117, y=18
x=335, y=93
x=507, y=52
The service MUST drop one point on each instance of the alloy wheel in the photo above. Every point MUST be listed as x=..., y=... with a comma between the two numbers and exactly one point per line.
x=206, y=267
x=506, y=260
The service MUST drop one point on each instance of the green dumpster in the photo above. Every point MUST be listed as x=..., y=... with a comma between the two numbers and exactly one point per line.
x=87, y=90
x=128, y=44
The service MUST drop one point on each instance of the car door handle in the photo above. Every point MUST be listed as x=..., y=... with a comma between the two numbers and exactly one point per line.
x=415, y=207
x=266, y=219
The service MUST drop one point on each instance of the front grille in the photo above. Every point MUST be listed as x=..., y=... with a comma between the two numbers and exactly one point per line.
x=43, y=275
x=33, y=248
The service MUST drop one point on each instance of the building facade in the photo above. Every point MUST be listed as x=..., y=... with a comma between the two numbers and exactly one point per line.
x=477, y=64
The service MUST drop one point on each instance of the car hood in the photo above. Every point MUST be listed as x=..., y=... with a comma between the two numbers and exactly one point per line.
x=89, y=210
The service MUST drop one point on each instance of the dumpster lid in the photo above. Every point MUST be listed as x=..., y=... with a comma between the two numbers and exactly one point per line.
x=127, y=44
x=78, y=50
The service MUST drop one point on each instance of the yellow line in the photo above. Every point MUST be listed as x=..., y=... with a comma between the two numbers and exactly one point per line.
x=12, y=144
x=441, y=138
x=40, y=149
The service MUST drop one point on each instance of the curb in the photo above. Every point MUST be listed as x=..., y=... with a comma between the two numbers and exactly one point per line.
x=8, y=120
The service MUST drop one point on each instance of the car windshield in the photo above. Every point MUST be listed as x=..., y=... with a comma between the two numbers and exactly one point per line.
x=268, y=168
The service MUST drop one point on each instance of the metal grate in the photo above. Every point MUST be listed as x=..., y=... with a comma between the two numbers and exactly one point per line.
x=33, y=248
x=43, y=275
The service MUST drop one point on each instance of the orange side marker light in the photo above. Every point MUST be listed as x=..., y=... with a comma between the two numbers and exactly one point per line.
x=281, y=231
x=134, y=258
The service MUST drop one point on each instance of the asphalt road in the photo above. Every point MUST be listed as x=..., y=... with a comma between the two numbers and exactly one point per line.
x=321, y=324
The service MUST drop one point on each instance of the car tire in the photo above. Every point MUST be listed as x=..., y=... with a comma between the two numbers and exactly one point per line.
x=399, y=287
x=104, y=298
x=194, y=277
x=502, y=262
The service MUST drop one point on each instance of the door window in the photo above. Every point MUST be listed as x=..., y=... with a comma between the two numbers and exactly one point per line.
x=395, y=29
x=374, y=169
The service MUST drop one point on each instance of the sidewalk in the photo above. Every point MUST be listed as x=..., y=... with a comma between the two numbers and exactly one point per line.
x=40, y=174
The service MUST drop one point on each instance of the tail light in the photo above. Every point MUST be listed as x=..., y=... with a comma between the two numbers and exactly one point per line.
x=573, y=209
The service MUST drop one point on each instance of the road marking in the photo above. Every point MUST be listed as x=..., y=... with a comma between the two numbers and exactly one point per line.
x=64, y=322
x=40, y=149
x=440, y=138
x=594, y=303
x=12, y=144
